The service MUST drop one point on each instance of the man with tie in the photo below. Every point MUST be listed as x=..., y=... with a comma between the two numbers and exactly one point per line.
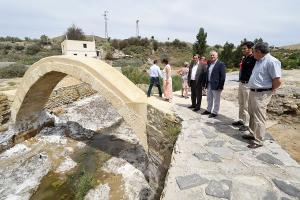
x=196, y=80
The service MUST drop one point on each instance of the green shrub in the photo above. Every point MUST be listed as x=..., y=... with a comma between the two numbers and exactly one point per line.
x=32, y=49
x=109, y=55
x=176, y=83
x=125, y=62
x=19, y=47
x=81, y=183
x=136, y=75
x=12, y=71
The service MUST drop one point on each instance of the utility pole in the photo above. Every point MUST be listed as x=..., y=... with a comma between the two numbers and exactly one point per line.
x=105, y=23
x=137, y=29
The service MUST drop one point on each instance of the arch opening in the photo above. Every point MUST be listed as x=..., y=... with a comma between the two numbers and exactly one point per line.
x=42, y=77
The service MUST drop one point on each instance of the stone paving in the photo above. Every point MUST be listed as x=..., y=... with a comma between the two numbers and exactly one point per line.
x=211, y=161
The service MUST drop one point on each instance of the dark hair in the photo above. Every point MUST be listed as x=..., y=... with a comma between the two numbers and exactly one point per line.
x=165, y=61
x=263, y=47
x=155, y=61
x=249, y=44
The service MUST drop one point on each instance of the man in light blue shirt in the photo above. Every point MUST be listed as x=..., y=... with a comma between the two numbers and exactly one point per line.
x=154, y=73
x=265, y=79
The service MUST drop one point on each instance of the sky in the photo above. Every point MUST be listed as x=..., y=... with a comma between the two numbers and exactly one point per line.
x=276, y=21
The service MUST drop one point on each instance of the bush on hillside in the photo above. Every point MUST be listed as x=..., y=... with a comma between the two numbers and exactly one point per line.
x=176, y=83
x=125, y=62
x=5, y=46
x=179, y=44
x=19, y=47
x=10, y=39
x=136, y=75
x=12, y=71
x=33, y=49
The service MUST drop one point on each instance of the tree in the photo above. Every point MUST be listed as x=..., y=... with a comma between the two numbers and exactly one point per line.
x=237, y=54
x=258, y=40
x=75, y=33
x=155, y=45
x=227, y=54
x=44, y=40
x=200, y=46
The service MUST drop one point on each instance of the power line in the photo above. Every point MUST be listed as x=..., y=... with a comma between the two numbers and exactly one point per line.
x=105, y=24
x=137, y=28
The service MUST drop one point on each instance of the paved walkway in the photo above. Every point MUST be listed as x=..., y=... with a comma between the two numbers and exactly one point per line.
x=211, y=160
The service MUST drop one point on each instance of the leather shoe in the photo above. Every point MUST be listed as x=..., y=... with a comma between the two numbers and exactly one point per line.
x=196, y=109
x=212, y=115
x=254, y=146
x=191, y=106
x=205, y=113
x=248, y=137
x=238, y=123
x=243, y=128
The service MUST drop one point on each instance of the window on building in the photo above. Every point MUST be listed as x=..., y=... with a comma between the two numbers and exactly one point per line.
x=75, y=54
x=85, y=55
x=84, y=46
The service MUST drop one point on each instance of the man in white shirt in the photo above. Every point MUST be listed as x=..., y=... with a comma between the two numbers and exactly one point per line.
x=215, y=83
x=265, y=79
x=196, y=80
x=154, y=74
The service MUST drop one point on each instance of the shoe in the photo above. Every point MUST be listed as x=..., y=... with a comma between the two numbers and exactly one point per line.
x=238, y=123
x=212, y=115
x=196, y=109
x=243, y=128
x=254, y=145
x=248, y=137
x=205, y=113
x=191, y=106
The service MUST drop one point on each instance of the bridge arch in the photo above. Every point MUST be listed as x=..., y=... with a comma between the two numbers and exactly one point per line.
x=42, y=77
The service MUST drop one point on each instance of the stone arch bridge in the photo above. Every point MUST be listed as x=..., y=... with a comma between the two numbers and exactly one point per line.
x=42, y=77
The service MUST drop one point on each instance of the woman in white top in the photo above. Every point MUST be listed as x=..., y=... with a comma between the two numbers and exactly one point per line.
x=167, y=83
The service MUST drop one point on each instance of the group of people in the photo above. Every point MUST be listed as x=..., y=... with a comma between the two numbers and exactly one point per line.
x=259, y=77
x=155, y=73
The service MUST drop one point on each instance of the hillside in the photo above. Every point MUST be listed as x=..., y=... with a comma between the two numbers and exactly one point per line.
x=292, y=47
x=133, y=55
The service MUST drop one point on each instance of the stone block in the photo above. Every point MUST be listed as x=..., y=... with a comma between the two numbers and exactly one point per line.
x=287, y=188
x=208, y=157
x=269, y=159
x=220, y=189
x=190, y=181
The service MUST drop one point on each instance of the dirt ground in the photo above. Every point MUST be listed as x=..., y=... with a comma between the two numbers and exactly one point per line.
x=287, y=131
x=288, y=136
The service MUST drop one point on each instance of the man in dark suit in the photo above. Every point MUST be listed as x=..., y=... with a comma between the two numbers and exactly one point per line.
x=214, y=83
x=196, y=80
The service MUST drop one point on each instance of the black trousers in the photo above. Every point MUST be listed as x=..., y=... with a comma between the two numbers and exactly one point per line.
x=154, y=81
x=196, y=94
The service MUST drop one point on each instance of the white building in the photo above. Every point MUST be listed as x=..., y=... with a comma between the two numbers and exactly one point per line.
x=79, y=48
